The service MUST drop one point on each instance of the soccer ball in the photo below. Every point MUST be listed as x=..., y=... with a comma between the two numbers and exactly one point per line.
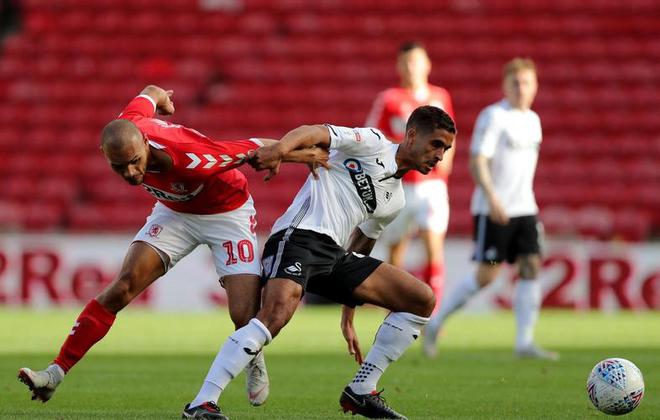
x=615, y=386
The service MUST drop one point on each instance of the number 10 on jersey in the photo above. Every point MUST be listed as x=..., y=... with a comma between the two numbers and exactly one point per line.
x=245, y=251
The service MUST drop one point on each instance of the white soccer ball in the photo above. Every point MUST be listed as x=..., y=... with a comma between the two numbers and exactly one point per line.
x=615, y=386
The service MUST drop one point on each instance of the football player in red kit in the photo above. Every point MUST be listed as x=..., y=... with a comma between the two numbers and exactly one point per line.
x=427, y=202
x=201, y=199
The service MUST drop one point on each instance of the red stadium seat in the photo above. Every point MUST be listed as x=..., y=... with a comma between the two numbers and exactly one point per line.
x=10, y=215
x=10, y=140
x=632, y=224
x=559, y=220
x=267, y=67
x=110, y=188
x=39, y=216
x=460, y=223
x=107, y=217
x=595, y=222
x=61, y=191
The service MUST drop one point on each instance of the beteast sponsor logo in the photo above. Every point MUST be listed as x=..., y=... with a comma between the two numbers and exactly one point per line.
x=363, y=184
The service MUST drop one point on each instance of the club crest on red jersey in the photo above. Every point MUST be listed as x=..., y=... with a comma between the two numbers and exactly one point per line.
x=155, y=230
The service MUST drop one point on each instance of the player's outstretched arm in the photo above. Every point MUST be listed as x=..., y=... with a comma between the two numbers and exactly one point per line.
x=314, y=157
x=162, y=98
x=306, y=136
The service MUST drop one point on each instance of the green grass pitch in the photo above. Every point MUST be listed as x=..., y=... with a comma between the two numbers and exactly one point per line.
x=151, y=364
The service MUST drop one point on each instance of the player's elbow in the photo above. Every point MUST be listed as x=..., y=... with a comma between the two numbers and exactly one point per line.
x=152, y=90
x=314, y=135
x=313, y=129
x=150, y=87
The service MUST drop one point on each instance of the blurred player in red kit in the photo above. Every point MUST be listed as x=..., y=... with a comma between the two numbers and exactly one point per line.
x=427, y=203
x=201, y=199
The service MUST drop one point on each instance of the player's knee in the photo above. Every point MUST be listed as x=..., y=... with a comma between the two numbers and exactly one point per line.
x=422, y=302
x=528, y=270
x=484, y=281
x=427, y=302
x=487, y=273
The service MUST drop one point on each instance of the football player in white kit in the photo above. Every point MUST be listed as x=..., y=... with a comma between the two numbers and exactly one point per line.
x=504, y=152
x=321, y=244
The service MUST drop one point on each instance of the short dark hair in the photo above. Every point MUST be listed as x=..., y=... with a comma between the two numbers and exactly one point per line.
x=428, y=118
x=409, y=46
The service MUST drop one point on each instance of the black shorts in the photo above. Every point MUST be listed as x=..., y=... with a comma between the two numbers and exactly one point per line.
x=317, y=263
x=496, y=243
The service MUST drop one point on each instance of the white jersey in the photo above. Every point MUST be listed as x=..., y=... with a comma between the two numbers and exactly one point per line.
x=358, y=190
x=510, y=138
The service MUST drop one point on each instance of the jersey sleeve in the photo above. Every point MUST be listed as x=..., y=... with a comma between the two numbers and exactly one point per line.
x=448, y=104
x=378, y=114
x=141, y=106
x=382, y=114
x=206, y=156
x=356, y=141
x=372, y=228
x=486, y=134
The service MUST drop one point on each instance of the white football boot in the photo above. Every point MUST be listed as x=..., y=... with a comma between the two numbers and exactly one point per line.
x=42, y=383
x=256, y=378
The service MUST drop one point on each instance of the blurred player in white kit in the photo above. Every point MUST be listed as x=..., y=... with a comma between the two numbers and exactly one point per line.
x=503, y=155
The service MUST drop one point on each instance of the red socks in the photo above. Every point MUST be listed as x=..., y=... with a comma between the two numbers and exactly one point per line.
x=92, y=324
x=434, y=276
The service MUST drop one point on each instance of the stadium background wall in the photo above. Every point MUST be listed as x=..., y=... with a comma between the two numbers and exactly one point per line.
x=51, y=270
x=244, y=68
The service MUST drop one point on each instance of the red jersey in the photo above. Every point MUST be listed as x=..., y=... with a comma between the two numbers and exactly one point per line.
x=391, y=110
x=202, y=179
